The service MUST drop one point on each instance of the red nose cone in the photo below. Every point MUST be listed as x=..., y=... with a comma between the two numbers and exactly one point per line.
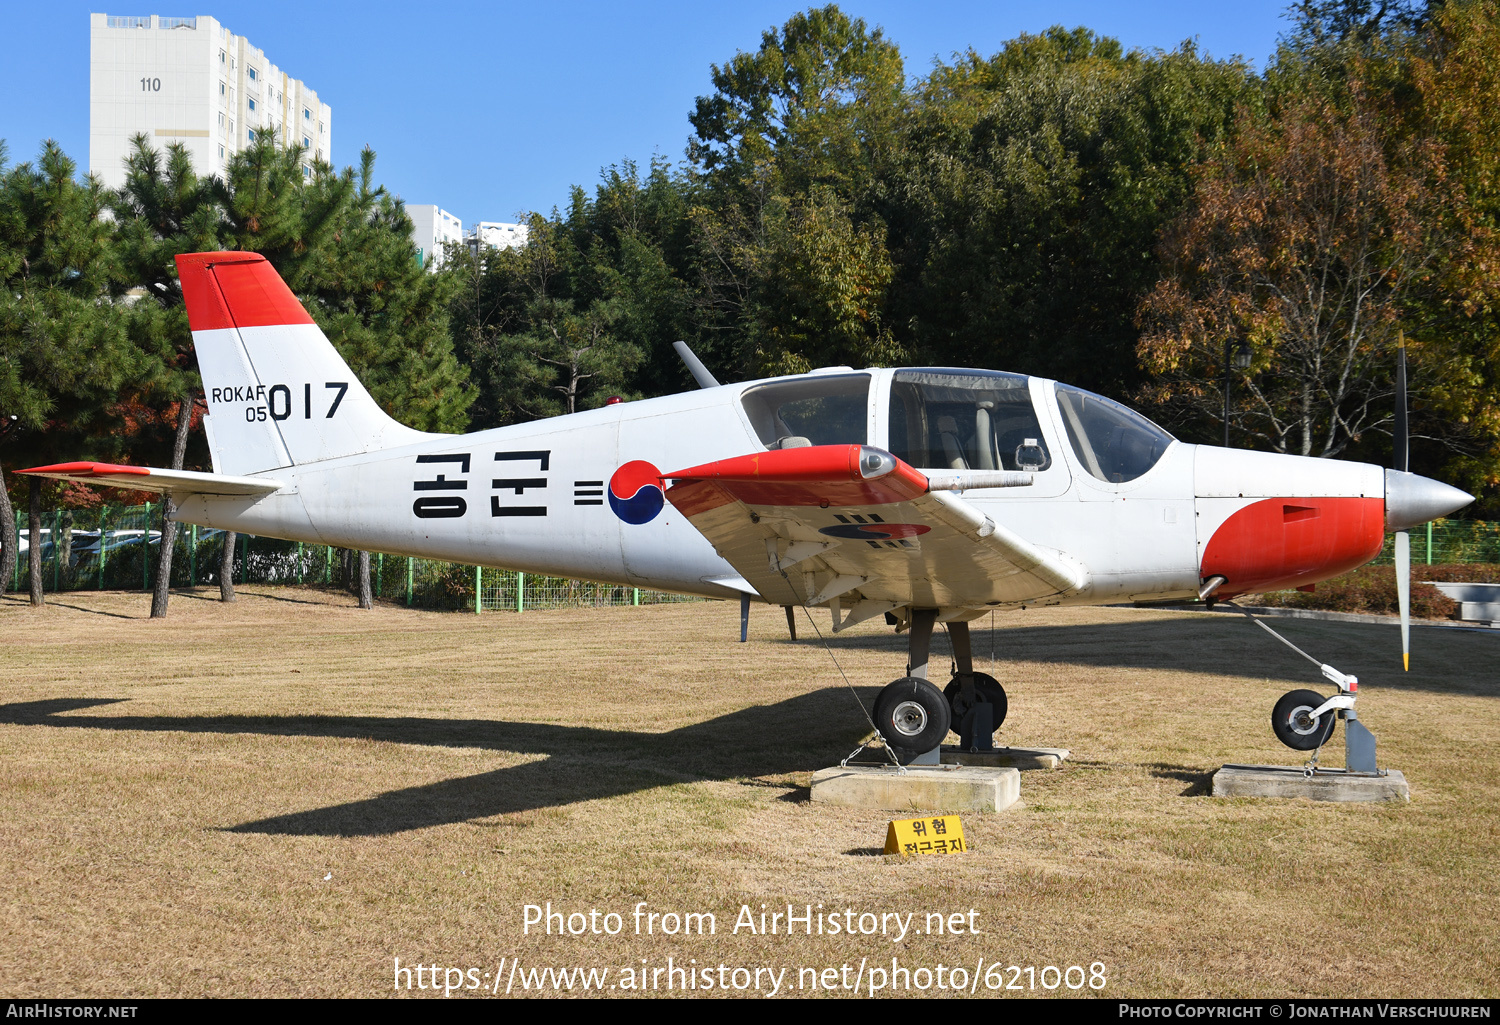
x=1286, y=542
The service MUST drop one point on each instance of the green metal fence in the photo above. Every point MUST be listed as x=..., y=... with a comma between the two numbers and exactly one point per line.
x=104, y=548
x=1446, y=542
x=501, y=589
x=116, y=548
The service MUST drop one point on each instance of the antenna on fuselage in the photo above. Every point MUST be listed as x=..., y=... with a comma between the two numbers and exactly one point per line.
x=695, y=366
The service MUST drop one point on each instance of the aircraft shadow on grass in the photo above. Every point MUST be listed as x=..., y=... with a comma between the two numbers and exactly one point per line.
x=583, y=763
x=586, y=763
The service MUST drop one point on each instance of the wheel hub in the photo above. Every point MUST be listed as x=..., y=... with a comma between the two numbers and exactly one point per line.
x=909, y=718
x=1303, y=722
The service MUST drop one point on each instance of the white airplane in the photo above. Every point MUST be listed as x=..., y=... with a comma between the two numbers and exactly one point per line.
x=923, y=495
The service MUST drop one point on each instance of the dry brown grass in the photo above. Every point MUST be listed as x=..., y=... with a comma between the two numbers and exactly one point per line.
x=175, y=792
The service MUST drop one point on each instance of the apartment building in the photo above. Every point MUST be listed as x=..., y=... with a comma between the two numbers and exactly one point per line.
x=432, y=228
x=499, y=234
x=192, y=81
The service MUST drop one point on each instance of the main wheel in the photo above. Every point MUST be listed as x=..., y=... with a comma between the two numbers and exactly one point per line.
x=986, y=689
x=912, y=715
x=1294, y=724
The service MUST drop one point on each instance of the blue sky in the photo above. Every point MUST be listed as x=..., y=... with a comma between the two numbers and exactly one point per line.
x=492, y=109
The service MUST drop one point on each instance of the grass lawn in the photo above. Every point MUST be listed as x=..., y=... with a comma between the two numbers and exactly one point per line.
x=281, y=796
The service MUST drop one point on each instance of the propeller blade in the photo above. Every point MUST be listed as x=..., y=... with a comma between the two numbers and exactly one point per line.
x=1401, y=444
x=1403, y=594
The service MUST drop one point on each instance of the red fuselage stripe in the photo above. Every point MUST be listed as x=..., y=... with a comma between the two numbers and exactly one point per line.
x=1279, y=543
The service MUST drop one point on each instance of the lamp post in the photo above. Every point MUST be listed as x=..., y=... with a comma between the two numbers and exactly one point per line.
x=1239, y=360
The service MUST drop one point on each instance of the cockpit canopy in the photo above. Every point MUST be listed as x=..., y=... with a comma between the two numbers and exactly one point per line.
x=816, y=409
x=956, y=420
x=965, y=420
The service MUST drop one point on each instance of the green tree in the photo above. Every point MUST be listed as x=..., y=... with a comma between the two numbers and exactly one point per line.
x=63, y=354
x=590, y=306
x=817, y=104
x=543, y=345
x=1452, y=94
x=163, y=209
x=636, y=238
x=1329, y=24
x=793, y=148
x=1032, y=186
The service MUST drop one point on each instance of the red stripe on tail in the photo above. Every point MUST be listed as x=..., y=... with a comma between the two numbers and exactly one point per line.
x=235, y=290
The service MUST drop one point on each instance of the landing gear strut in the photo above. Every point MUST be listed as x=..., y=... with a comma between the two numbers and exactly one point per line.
x=1303, y=720
x=976, y=699
x=913, y=716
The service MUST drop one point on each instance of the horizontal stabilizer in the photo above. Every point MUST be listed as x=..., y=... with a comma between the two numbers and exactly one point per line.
x=177, y=483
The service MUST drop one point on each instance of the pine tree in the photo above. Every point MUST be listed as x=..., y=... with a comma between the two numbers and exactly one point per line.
x=63, y=354
x=342, y=244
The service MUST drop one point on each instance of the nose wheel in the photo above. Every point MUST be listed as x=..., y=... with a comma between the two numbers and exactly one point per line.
x=1303, y=719
x=1297, y=723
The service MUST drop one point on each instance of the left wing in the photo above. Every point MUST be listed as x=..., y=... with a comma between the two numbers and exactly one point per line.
x=853, y=525
x=177, y=483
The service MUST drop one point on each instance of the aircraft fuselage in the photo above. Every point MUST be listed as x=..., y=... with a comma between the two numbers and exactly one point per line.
x=539, y=497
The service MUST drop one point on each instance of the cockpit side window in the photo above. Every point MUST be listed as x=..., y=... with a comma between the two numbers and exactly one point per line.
x=1114, y=443
x=824, y=409
x=965, y=420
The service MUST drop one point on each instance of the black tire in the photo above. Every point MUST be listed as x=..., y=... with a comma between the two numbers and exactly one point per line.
x=1290, y=722
x=912, y=715
x=986, y=688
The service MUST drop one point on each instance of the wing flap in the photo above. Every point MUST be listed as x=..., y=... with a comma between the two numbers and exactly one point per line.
x=177, y=483
x=815, y=525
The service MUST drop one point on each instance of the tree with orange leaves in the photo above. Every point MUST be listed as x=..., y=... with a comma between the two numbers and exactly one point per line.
x=1313, y=237
x=1456, y=81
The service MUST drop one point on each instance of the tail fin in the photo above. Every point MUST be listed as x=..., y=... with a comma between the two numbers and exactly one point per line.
x=278, y=392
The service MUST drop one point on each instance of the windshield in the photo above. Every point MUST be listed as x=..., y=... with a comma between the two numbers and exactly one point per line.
x=1113, y=443
x=965, y=420
x=814, y=410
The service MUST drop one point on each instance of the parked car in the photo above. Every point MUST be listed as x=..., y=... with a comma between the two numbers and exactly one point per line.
x=85, y=542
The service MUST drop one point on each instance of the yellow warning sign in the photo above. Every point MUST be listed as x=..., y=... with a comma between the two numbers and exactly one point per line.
x=939, y=834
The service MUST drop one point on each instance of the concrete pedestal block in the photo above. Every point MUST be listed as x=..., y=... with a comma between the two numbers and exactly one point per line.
x=950, y=789
x=1324, y=785
x=1009, y=757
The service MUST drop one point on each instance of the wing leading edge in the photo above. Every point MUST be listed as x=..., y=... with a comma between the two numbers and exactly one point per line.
x=853, y=525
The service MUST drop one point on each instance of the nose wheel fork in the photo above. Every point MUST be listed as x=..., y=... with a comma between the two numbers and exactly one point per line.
x=1303, y=720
